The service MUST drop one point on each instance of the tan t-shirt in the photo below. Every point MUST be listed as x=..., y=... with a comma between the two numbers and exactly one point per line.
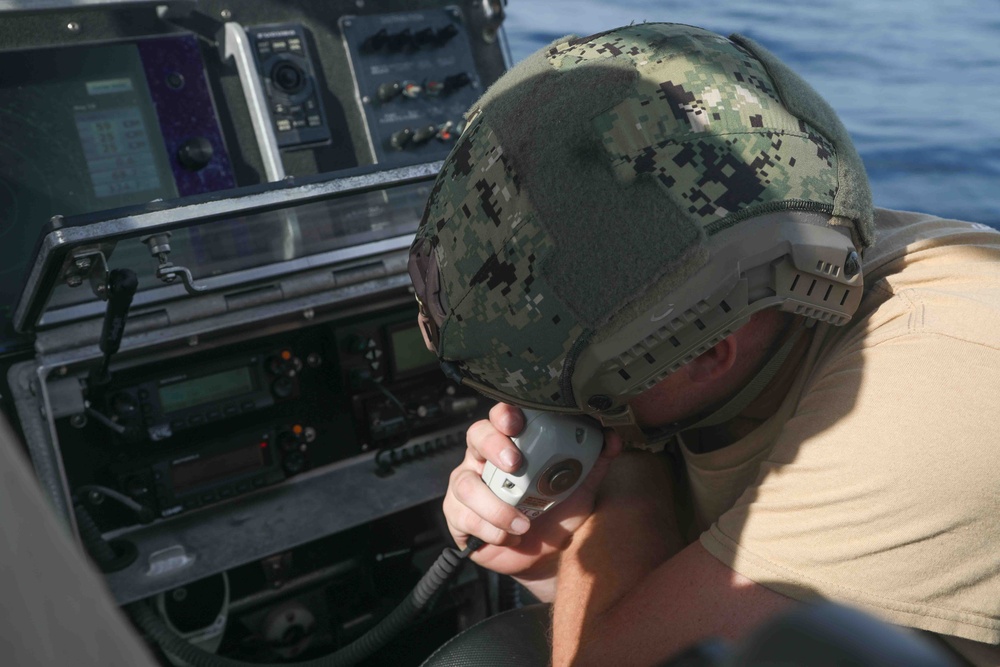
x=877, y=483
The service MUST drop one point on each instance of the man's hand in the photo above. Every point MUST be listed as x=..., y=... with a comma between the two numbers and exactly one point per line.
x=472, y=509
x=629, y=590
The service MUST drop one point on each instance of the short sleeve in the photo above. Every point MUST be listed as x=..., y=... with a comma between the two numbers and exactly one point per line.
x=883, y=489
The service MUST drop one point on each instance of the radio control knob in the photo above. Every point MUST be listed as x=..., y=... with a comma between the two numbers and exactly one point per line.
x=284, y=363
x=445, y=34
x=388, y=91
x=424, y=37
x=124, y=405
x=288, y=442
x=136, y=487
x=375, y=41
x=456, y=82
x=283, y=387
x=294, y=463
x=423, y=135
x=355, y=344
x=401, y=41
x=400, y=139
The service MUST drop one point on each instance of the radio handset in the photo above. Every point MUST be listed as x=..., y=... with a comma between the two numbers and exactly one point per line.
x=121, y=287
x=557, y=453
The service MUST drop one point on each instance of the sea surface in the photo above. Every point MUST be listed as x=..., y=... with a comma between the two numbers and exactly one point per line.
x=916, y=82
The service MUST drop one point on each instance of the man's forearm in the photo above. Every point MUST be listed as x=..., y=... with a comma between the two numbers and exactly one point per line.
x=630, y=533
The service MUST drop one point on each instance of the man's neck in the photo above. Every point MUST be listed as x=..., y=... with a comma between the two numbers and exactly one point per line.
x=767, y=402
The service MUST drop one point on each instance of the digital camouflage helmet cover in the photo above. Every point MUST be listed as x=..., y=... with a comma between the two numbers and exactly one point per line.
x=619, y=203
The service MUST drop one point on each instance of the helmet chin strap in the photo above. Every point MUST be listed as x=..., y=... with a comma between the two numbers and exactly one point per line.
x=625, y=425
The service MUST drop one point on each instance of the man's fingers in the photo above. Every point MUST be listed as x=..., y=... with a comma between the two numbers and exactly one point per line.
x=471, y=492
x=501, y=528
x=507, y=419
x=486, y=443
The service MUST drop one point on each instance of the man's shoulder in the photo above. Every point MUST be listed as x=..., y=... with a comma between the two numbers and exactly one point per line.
x=901, y=233
x=928, y=275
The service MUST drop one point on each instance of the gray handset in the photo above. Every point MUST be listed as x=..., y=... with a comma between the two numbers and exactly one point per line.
x=557, y=453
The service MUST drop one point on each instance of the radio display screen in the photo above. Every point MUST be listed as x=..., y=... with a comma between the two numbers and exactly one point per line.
x=408, y=350
x=206, y=389
x=185, y=475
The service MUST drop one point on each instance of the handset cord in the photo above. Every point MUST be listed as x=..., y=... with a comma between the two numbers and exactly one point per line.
x=439, y=574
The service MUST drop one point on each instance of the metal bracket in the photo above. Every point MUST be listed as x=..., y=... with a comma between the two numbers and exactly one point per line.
x=187, y=17
x=87, y=264
x=167, y=271
x=236, y=45
x=493, y=12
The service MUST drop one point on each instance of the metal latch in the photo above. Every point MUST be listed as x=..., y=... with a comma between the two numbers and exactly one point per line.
x=166, y=271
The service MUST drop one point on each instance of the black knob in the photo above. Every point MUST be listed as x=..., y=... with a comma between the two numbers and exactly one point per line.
x=136, y=487
x=375, y=41
x=355, y=343
x=195, y=153
x=283, y=363
x=283, y=387
x=445, y=34
x=401, y=40
x=456, y=82
x=294, y=463
x=288, y=442
x=388, y=91
x=423, y=135
x=124, y=405
x=288, y=76
x=424, y=37
x=399, y=140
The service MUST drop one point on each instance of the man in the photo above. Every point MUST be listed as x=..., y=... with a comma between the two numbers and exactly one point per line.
x=664, y=229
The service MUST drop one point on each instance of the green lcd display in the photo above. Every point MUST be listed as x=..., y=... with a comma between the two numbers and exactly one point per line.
x=409, y=352
x=205, y=389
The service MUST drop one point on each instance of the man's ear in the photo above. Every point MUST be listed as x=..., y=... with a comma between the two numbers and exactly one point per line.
x=713, y=363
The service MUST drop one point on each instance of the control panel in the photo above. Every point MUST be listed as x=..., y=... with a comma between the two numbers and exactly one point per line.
x=416, y=78
x=288, y=72
x=271, y=416
x=179, y=435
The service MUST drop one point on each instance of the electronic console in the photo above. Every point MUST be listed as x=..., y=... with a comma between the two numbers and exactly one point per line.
x=273, y=437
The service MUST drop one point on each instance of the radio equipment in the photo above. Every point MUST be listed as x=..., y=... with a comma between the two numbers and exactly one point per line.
x=220, y=424
x=161, y=407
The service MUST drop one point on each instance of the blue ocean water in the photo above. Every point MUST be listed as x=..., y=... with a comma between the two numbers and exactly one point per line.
x=916, y=82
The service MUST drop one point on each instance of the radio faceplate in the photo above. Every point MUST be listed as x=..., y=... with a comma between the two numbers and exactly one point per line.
x=162, y=406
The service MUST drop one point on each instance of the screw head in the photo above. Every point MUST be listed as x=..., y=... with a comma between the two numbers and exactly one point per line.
x=226, y=14
x=73, y=26
x=74, y=280
x=852, y=265
x=600, y=402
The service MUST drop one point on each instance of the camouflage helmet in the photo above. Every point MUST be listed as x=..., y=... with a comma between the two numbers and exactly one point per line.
x=619, y=203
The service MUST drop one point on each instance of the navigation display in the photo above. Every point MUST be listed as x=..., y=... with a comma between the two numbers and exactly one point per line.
x=116, y=147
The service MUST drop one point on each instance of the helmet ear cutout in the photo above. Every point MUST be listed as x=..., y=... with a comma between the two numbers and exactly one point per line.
x=426, y=278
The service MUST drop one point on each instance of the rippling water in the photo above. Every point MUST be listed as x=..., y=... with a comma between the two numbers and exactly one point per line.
x=916, y=82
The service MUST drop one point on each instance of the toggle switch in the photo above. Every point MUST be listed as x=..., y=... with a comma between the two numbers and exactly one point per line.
x=399, y=140
x=388, y=91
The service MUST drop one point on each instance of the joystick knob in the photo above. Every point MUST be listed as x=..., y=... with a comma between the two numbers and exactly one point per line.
x=195, y=153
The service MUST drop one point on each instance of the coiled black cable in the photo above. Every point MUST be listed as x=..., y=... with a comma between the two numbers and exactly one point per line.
x=443, y=569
